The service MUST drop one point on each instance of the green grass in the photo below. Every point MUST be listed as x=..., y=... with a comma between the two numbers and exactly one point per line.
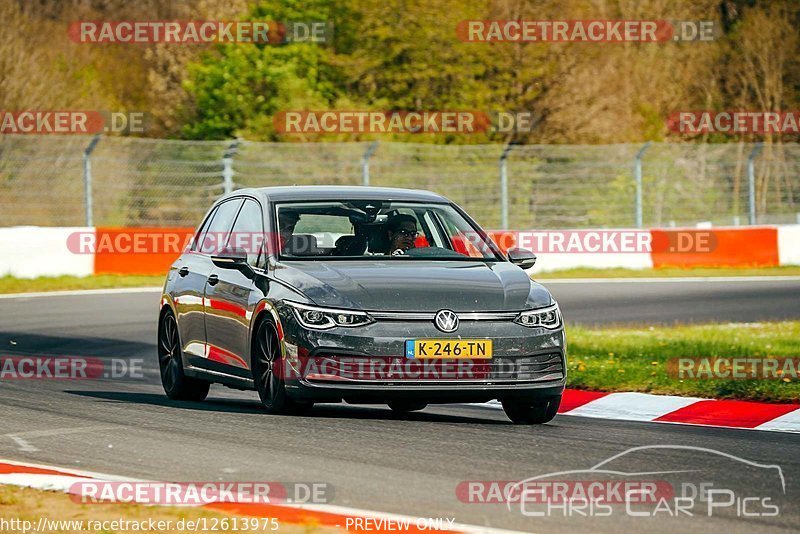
x=10, y=284
x=581, y=272
x=634, y=359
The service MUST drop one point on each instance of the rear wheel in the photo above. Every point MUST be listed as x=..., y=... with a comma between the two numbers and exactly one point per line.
x=407, y=406
x=269, y=383
x=176, y=384
x=531, y=412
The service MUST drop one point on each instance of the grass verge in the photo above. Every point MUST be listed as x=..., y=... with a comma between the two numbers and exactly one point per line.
x=635, y=359
x=10, y=284
x=670, y=272
x=24, y=504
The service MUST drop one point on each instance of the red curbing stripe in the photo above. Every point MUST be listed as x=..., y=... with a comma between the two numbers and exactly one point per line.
x=11, y=469
x=740, y=414
x=575, y=398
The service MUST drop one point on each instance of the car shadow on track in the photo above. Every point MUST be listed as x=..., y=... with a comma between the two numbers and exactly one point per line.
x=27, y=344
x=321, y=411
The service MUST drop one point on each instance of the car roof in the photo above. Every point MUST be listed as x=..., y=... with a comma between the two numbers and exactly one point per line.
x=340, y=192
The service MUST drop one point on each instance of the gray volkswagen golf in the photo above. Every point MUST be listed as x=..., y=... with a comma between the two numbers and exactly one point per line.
x=358, y=294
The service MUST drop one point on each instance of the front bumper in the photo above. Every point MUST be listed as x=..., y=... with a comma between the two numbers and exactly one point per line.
x=368, y=365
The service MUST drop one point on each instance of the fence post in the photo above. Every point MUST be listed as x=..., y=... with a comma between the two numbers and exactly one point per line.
x=87, y=180
x=751, y=182
x=504, y=186
x=637, y=171
x=227, y=166
x=365, y=162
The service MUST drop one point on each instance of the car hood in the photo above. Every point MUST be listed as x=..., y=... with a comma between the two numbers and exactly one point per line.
x=428, y=286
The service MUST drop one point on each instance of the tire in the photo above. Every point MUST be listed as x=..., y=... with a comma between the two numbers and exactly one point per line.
x=270, y=387
x=407, y=406
x=176, y=384
x=531, y=412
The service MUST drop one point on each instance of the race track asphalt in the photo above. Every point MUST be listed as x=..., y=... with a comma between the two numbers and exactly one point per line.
x=372, y=458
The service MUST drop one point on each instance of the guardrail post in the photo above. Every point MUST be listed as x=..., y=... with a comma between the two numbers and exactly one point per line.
x=637, y=172
x=87, y=180
x=504, y=186
x=751, y=182
x=227, y=166
x=365, y=162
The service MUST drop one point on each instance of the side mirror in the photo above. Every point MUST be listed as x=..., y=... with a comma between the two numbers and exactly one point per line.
x=230, y=258
x=525, y=259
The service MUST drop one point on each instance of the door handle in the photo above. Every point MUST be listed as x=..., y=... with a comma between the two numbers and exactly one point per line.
x=183, y=271
x=213, y=280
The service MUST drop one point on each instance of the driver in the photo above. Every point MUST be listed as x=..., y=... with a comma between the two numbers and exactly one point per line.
x=402, y=231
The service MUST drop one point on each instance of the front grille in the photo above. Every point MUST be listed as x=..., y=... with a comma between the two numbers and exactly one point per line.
x=530, y=368
x=526, y=369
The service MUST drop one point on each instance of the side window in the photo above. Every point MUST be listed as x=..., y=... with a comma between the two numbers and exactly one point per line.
x=248, y=233
x=201, y=231
x=215, y=237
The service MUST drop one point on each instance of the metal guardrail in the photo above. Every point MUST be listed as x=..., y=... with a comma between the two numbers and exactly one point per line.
x=119, y=181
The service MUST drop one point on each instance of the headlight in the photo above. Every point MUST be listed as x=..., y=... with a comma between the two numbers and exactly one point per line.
x=318, y=318
x=549, y=318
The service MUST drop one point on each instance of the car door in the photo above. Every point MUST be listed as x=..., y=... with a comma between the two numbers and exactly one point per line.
x=229, y=304
x=194, y=268
x=188, y=276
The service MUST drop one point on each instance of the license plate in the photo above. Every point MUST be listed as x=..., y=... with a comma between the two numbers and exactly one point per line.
x=449, y=348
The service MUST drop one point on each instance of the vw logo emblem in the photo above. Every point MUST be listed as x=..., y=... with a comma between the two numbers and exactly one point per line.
x=446, y=320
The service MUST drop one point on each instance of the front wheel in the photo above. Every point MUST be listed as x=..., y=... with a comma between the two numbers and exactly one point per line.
x=267, y=376
x=176, y=384
x=531, y=412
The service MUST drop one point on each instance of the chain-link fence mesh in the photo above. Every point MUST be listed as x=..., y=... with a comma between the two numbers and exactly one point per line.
x=150, y=182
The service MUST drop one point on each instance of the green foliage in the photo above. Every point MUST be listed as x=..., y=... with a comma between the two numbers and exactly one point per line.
x=237, y=88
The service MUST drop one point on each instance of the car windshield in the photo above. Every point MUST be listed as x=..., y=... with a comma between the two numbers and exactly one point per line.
x=362, y=229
